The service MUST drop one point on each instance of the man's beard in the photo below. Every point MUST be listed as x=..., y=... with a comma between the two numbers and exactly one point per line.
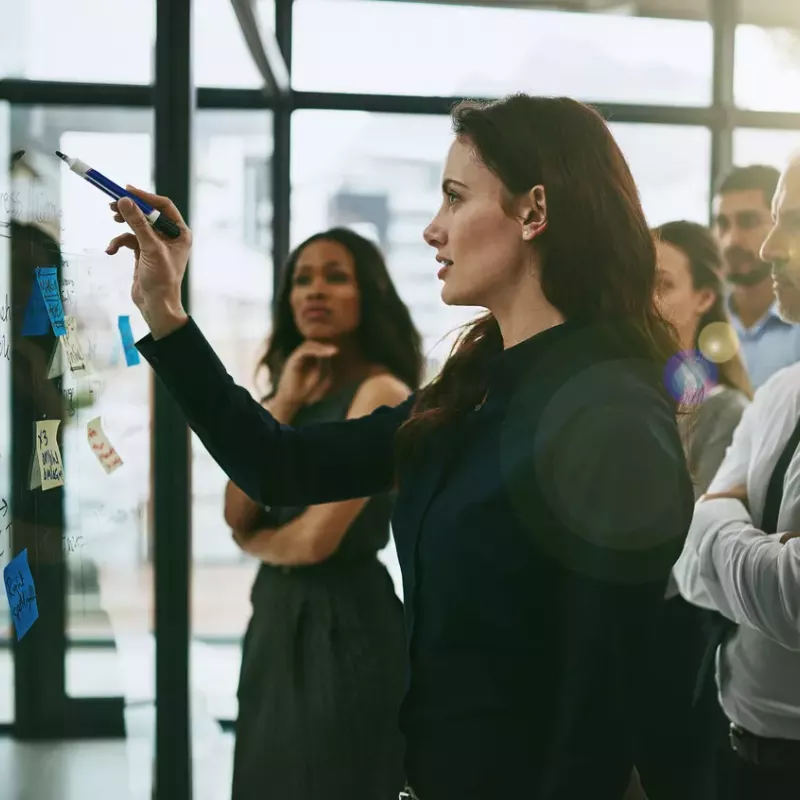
x=758, y=272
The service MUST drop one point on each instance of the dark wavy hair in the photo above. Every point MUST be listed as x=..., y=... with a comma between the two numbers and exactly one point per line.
x=598, y=256
x=386, y=334
x=700, y=247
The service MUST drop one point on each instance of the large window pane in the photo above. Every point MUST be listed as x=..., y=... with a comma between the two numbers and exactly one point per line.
x=759, y=146
x=672, y=166
x=231, y=293
x=451, y=50
x=379, y=174
x=104, y=541
x=767, y=68
x=82, y=40
x=221, y=56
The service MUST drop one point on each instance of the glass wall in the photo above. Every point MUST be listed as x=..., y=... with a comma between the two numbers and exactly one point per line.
x=767, y=68
x=763, y=146
x=451, y=50
x=671, y=165
x=232, y=220
x=47, y=40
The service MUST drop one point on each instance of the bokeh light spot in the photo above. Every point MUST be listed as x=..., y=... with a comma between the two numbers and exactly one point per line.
x=718, y=342
x=688, y=376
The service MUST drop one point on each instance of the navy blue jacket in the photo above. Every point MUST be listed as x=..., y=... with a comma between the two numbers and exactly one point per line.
x=535, y=537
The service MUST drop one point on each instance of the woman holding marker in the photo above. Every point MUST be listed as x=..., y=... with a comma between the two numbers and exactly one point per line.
x=543, y=492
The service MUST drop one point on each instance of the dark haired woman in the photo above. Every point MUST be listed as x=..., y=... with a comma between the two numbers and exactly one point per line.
x=685, y=726
x=543, y=492
x=324, y=658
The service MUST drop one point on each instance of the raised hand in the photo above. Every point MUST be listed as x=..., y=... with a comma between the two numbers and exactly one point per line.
x=160, y=263
x=306, y=376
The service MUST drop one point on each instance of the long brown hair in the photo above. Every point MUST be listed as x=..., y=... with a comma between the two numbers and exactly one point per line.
x=386, y=333
x=700, y=247
x=598, y=253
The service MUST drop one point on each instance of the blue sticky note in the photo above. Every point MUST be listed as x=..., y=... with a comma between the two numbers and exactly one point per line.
x=36, y=322
x=21, y=593
x=51, y=294
x=131, y=353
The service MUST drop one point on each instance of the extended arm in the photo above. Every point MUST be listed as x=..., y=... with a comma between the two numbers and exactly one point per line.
x=315, y=535
x=273, y=464
x=243, y=514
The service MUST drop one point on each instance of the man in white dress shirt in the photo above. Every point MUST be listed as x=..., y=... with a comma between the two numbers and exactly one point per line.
x=742, y=554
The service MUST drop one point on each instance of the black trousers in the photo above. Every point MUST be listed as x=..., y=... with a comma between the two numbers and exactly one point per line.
x=681, y=741
x=751, y=782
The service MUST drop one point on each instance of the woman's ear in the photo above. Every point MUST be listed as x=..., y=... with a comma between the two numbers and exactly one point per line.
x=533, y=215
x=705, y=299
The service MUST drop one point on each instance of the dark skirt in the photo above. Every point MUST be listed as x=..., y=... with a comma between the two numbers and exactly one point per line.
x=323, y=675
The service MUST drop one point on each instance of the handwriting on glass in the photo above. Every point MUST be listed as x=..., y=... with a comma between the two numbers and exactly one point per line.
x=71, y=543
x=48, y=455
x=101, y=447
x=42, y=210
x=5, y=344
x=4, y=510
x=67, y=290
x=69, y=396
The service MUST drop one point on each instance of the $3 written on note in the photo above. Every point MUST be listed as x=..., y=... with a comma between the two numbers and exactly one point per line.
x=48, y=455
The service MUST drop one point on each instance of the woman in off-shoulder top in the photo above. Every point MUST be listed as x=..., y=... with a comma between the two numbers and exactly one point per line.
x=543, y=494
x=685, y=726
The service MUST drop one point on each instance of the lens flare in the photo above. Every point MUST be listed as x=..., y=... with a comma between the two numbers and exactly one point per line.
x=718, y=342
x=688, y=376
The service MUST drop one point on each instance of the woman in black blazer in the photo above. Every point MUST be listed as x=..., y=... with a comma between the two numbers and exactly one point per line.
x=543, y=492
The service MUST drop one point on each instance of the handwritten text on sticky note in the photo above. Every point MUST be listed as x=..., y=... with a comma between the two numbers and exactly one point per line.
x=21, y=593
x=72, y=347
x=48, y=455
x=51, y=294
x=101, y=447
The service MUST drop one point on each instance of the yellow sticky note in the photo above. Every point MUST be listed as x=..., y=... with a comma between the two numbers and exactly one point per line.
x=72, y=348
x=101, y=447
x=48, y=456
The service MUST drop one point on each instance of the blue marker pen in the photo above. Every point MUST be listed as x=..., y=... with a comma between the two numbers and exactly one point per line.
x=159, y=222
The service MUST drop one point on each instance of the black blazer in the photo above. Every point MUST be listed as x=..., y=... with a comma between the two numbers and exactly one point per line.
x=535, y=538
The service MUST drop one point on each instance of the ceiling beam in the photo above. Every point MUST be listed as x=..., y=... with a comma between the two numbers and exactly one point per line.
x=264, y=49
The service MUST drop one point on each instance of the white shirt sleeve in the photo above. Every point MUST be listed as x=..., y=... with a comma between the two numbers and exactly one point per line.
x=732, y=567
x=732, y=472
